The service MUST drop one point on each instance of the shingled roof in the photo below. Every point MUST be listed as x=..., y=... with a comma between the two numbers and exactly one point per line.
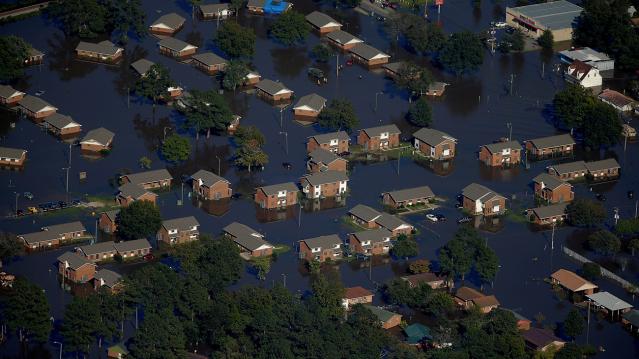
x=321, y=178
x=343, y=38
x=549, y=181
x=208, y=178
x=274, y=188
x=149, y=176
x=373, y=235
x=142, y=66
x=500, y=146
x=323, y=156
x=171, y=21
x=132, y=190
x=271, y=87
x=133, y=245
x=432, y=137
x=175, y=44
x=99, y=135
x=312, y=102
x=61, y=121
x=378, y=130
x=364, y=212
x=411, y=193
x=553, y=141
x=553, y=210
x=319, y=20
x=368, y=52
x=181, y=224
x=11, y=153
x=475, y=191
x=209, y=59
x=327, y=137
x=34, y=104
x=609, y=163
x=324, y=242
x=105, y=47
x=73, y=260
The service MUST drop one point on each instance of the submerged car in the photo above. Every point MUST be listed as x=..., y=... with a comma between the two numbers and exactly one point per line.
x=431, y=217
x=464, y=220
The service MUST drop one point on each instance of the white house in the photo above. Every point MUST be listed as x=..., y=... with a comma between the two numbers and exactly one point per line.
x=583, y=74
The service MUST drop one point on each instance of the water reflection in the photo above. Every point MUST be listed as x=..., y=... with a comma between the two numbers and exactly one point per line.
x=8, y=120
x=440, y=168
x=204, y=156
x=314, y=205
x=62, y=58
x=151, y=131
x=273, y=215
x=194, y=38
x=126, y=78
x=498, y=173
x=216, y=208
x=464, y=96
x=290, y=62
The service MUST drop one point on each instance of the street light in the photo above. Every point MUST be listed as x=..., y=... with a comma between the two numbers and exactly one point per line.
x=286, y=139
x=376, y=94
x=218, y=165
x=60, y=344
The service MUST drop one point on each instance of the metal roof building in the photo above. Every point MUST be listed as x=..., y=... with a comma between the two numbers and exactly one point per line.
x=557, y=16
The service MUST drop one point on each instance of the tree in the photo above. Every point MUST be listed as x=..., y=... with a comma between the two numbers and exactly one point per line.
x=80, y=325
x=413, y=78
x=250, y=153
x=497, y=338
x=419, y=266
x=237, y=5
x=633, y=245
x=10, y=247
x=160, y=337
x=234, y=74
x=127, y=17
x=338, y=115
x=585, y=213
x=627, y=227
x=261, y=265
x=26, y=311
x=83, y=18
x=546, y=40
x=290, y=28
x=591, y=270
x=486, y=264
x=145, y=162
x=602, y=126
x=14, y=51
x=456, y=258
x=571, y=105
x=574, y=324
x=155, y=83
x=575, y=351
x=327, y=295
x=404, y=247
x=419, y=113
x=140, y=219
x=236, y=41
x=463, y=52
x=322, y=52
x=208, y=110
x=249, y=136
x=604, y=242
x=176, y=148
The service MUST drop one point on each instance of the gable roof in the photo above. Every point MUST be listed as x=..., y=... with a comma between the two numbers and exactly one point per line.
x=475, y=191
x=615, y=98
x=105, y=47
x=500, y=146
x=142, y=66
x=549, y=181
x=324, y=242
x=327, y=137
x=271, y=87
x=321, y=178
x=364, y=212
x=175, y=44
x=171, y=20
x=569, y=167
x=237, y=229
x=132, y=245
x=368, y=52
x=61, y=121
x=311, y=101
x=432, y=137
x=422, y=278
x=378, y=130
x=393, y=66
x=181, y=224
x=209, y=59
x=382, y=314
x=320, y=155
x=539, y=338
x=274, y=188
x=213, y=8
x=100, y=135
x=579, y=69
x=133, y=190
x=319, y=19
x=608, y=301
x=34, y=104
x=467, y=293
x=632, y=317
x=112, y=214
x=148, y=176
x=553, y=210
x=73, y=260
x=107, y=277
x=391, y=222
x=12, y=153
x=609, y=163
x=411, y=193
x=553, y=141
x=342, y=37
x=7, y=91
x=356, y=292
x=572, y=281
x=52, y=232
x=486, y=301
x=374, y=235
x=208, y=178
x=97, y=248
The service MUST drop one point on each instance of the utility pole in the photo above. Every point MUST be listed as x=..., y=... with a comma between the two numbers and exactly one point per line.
x=218, y=165
x=282, y=114
x=337, y=65
x=69, y=155
x=588, y=325
x=636, y=208
x=377, y=93
x=284, y=279
x=510, y=130
x=512, y=79
x=67, y=186
x=96, y=229
x=299, y=216
x=17, y=195
x=616, y=210
x=543, y=69
x=128, y=97
x=370, y=268
x=552, y=238
x=286, y=139
x=399, y=156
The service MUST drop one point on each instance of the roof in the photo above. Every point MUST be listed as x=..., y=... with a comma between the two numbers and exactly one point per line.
x=382, y=314
x=552, y=15
x=208, y=178
x=112, y=214
x=572, y=281
x=319, y=19
x=237, y=229
x=148, y=176
x=33, y=104
x=52, y=232
x=554, y=210
x=422, y=278
x=8, y=91
x=329, y=241
x=632, y=316
x=475, y=191
x=579, y=69
x=549, y=181
x=486, y=301
x=132, y=245
x=390, y=222
x=393, y=66
x=251, y=243
x=553, y=141
x=275, y=6
x=327, y=137
x=33, y=52
x=271, y=87
x=97, y=248
x=73, y=260
x=209, y=58
x=213, y=8
x=100, y=135
x=367, y=52
x=312, y=101
x=615, y=98
x=7, y=152
x=378, y=130
x=58, y=120
x=432, y=137
x=142, y=66
x=602, y=165
x=175, y=44
x=321, y=155
x=437, y=86
x=107, y=277
x=105, y=47
x=171, y=20
x=539, y=338
x=365, y=212
x=411, y=193
x=500, y=146
x=274, y=188
x=585, y=54
x=467, y=293
x=256, y=3
x=356, y=292
x=374, y=235
x=132, y=190
x=320, y=178
x=181, y=224
x=608, y=301
x=416, y=332
x=342, y=37
x=569, y=167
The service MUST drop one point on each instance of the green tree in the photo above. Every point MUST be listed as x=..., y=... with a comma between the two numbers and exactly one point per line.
x=155, y=83
x=439, y=304
x=126, y=17
x=214, y=263
x=404, y=247
x=338, y=115
x=176, y=148
x=627, y=227
x=26, y=311
x=80, y=325
x=234, y=74
x=249, y=136
x=14, y=51
x=236, y=41
x=497, y=338
x=10, y=247
x=262, y=266
x=571, y=105
x=140, y=219
x=290, y=28
x=322, y=52
x=237, y=5
x=328, y=294
x=462, y=52
x=546, y=40
x=160, y=337
x=83, y=18
x=486, y=264
x=604, y=242
x=602, y=126
x=456, y=258
x=419, y=266
x=575, y=351
x=633, y=245
x=419, y=113
x=208, y=110
x=574, y=323
x=585, y=213
x=111, y=314
x=413, y=78
x=145, y=162
x=514, y=41
x=591, y=270
x=250, y=153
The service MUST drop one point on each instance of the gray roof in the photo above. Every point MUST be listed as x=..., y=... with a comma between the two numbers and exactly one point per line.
x=132, y=245
x=271, y=87
x=365, y=212
x=390, y=222
x=412, y=193
x=321, y=155
x=432, y=137
x=585, y=54
x=342, y=37
x=550, y=211
x=7, y=152
x=552, y=15
x=569, y=167
x=97, y=248
x=132, y=190
x=549, y=181
x=378, y=130
x=327, y=137
x=319, y=19
x=553, y=141
x=251, y=243
x=208, y=178
x=181, y=224
x=499, y=146
x=103, y=47
x=53, y=232
x=366, y=51
x=100, y=135
x=475, y=191
x=58, y=120
x=602, y=165
x=7, y=91
x=437, y=86
x=149, y=176
x=36, y=237
x=213, y=8
x=256, y=3
x=324, y=242
x=320, y=178
x=142, y=66
x=174, y=44
x=632, y=317
x=108, y=277
x=608, y=301
x=33, y=52
x=314, y=101
x=373, y=235
x=74, y=260
x=33, y=104
x=274, y=188
x=209, y=59
x=171, y=20
x=393, y=66
x=245, y=236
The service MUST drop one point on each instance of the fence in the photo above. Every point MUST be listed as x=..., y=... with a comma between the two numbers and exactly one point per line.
x=604, y=272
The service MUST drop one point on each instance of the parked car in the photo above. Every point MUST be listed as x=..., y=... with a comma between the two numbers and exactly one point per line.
x=464, y=220
x=149, y=257
x=62, y=204
x=315, y=72
x=349, y=62
x=32, y=210
x=75, y=202
x=431, y=217
x=459, y=205
x=440, y=217
x=287, y=165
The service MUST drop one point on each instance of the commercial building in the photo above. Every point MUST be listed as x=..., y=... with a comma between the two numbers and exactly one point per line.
x=557, y=16
x=589, y=56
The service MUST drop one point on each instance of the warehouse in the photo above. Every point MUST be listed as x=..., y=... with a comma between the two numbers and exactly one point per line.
x=558, y=17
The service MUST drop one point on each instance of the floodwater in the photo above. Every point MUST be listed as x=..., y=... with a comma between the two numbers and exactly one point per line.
x=475, y=109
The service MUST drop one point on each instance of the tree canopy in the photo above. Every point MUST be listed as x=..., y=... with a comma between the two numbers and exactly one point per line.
x=234, y=74
x=140, y=219
x=208, y=110
x=463, y=52
x=10, y=247
x=546, y=40
x=249, y=152
x=290, y=28
x=604, y=242
x=404, y=247
x=26, y=312
x=420, y=36
x=338, y=115
x=176, y=148
x=236, y=41
x=585, y=213
x=468, y=250
x=14, y=51
x=413, y=78
x=155, y=83
x=574, y=324
x=419, y=113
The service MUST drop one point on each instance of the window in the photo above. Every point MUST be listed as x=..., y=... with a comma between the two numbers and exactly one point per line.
x=315, y=250
x=334, y=142
x=281, y=193
x=496, y=208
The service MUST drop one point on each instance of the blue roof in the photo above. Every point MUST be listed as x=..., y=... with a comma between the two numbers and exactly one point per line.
x=275, y=6
x=416, y=333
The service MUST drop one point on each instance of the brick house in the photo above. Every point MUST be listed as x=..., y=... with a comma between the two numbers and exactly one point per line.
x=142, y=66
x=106, y=222
x=130, y=193
x=386, y=318
x=501, y=153
x=75, y=268
x=103, y=51
x=210, y=186
x=179, y=230
x=62, y=125
x=250, y=241
x=356, y=295
x=541, y=340
x=364, y=216
x=308, y=107
x=480, y=200
x=430, y=279
x=324, y=184
x=13, y=157
x=322, y=23
x=548, y=215
x=343, y=40
x=36, y=108
x=273, y=91
x=321, y=160
x=109, y=279
x=572, y=282
x=277, y=195
x=368, y=55
x=149, y=179
x=97, y=252
x=552, y=189
x=209, y=62
x=569, y=171
x=552, y=146
x=336, y=142
x=167, y=24
x=407, y=197
x=371, y=242
x=395, y=225
x=603, y=170
x=466, y=298
x=10, y=96
x=133, y=249
x=34, y=57
x=99, y=139
x=321, y=248
x=214, y=11
x=434, y=144
x=379, y=138
x=54, y=235
x=175, y=48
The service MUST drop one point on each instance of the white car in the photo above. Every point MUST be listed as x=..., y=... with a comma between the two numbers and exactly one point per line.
x=431, y=217
x=500, y=25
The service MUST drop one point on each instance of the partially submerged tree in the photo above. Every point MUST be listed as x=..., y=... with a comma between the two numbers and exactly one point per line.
x=546, y=40
x=208, y=110
x=176, y=148
x=14, y=51
x=234, y=74
x=140, y=219
x=604, y=242
x=585, y=213
x=250, y=153
x=155, y=83
x=290, y=28
x=236, y=41
x=405, y=247
x=419, y=113
x=338, y=115
x=322, y=52
x=463, y=52
x=26, y=312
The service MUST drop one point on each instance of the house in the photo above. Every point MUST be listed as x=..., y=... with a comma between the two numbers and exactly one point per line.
x=130, y=192
x=103, y=51
x=619, y=101
x=324, y=184
x=36, y=108
x=233, y=125
x=277, y=195
x=523, y=323
x=467, y=297
x=603, y=170
x=370, y=242
x=167, y=24
x=117, y=351
x=321, y=248
x=179, y=230
x=34, y=57
x=13, y=157
x=249, y=240
x=416, y=333
x=364, y=216
x=538, y=339
x=434, y=144
x=572, y=282
x=175, y=48
x=107, y=223
x=552, y=189
x=480, y=200
x=322, y=23
x=132, y=249
x=408, y=197
x=62, y=125
x=356, y=295
x=252, y=78
x=588, y=56
x=97, y=252
x=583, y=74
x=275, y=7
x=209, y=62
x=394, y=224
x=386, y=318
x=486, y=303
x=308, y=107
x=210, y=186
x=149, y=179
x=430, y=279
x=436, y=88
x=392, y=69
x=109, y=279
x=54, y=235
x=142, y=66
x=336, y=142
x=555, y=146
x=631, y=319
x=379, y=138
x=273, y=91
x=75, y=268
x=321, y=160
x=547, y=215
x=96, y=140
x=368, y=55
x=501, y=153
x=343, y=40
x=10, y=96
x=569, y=171
x=608, y=303
x=215, y=11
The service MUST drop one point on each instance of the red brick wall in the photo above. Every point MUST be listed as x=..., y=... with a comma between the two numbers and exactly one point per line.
x=270, y=202
x=326, y=189
x=312, y=145
x=373, y=144
x=20, y=162
x=220, y=188
x=495, y=159
x=106, y=225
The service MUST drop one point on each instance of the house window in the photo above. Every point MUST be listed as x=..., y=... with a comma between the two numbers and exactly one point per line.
x=315, y=250
x=496, y=208
x=281, y=193
x=383, y=135
x=334, y=142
